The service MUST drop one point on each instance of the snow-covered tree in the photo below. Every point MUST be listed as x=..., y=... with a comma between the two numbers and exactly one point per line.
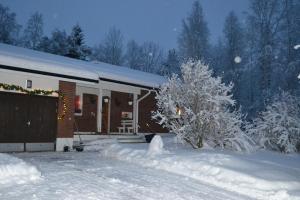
x=59, y=42
x=193, y=39
x=45, y=45
x=33, y=32
x=197, y=108
x=9, y=27
x=278, y=127
x=76, y=45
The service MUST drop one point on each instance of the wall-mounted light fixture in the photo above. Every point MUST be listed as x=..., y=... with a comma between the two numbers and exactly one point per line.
x=106, y=100
x=130, y=103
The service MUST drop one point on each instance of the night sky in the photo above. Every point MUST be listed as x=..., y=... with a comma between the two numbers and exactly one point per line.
x=142, y=20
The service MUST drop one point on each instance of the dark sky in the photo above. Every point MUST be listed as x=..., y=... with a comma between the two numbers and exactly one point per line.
x=154, y=20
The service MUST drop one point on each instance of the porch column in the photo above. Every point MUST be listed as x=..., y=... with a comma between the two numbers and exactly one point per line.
x=99, y=110
x=135, y=114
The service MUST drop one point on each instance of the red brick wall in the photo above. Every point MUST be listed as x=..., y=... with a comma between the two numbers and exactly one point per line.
x=65, y=126
x=119, y=104
x=146, y=106
x=87, y=122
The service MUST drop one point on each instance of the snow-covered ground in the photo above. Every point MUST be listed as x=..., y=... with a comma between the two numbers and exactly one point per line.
x=107, y=170
x=261, y=175
x=14, y=171
x=88, y=175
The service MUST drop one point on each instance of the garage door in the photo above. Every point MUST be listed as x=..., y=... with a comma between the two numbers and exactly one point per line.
x=27, y=122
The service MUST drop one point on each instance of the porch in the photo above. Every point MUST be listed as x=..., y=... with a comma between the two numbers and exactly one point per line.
x=114, y=110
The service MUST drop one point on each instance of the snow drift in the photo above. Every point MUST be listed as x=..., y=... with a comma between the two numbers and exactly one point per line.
x=15, y=171
x=262, y=175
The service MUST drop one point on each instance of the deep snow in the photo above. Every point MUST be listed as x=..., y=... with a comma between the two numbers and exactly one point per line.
x=14, y=171
x=260, y=175
x=107, y=170
x=88, y=175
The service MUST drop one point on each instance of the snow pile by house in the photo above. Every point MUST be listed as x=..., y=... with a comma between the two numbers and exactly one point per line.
x=262, y=175
x=15, y=171
x=156, y=146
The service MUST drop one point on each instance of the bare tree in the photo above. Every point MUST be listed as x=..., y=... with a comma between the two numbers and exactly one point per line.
x=33, y=32
x=133, y=55
x=113, y=47
x=152, y=56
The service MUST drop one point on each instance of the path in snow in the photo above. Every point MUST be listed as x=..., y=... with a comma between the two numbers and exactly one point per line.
x=87, y=175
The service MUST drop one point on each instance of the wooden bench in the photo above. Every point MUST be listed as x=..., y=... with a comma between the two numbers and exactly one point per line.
x=126, y=125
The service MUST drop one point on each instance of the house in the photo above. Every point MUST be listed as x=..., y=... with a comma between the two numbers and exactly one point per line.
x=46, y=100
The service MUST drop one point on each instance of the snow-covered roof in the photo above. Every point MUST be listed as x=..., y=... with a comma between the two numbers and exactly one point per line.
x=39, y=61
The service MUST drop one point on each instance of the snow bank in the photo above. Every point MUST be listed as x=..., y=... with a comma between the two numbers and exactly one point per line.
x=156, y=146
x=254, y=175
x=99, y=145
x=15, y=171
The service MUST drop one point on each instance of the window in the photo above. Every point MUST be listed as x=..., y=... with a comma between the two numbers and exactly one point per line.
x=29, y=84
x=78, y=104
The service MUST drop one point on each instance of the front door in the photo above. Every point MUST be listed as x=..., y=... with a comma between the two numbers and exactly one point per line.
x=105, y=113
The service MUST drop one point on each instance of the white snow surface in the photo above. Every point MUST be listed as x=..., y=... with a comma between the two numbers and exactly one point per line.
x=261, y=175
x=88, y=175
x=15, y=171
x=45, y=62
x=108, y=170
x=156, y=146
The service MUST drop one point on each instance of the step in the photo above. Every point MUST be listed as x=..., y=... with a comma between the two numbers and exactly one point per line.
x=132, y=140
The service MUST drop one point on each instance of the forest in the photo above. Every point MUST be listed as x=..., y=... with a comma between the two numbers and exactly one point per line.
x=260, y=56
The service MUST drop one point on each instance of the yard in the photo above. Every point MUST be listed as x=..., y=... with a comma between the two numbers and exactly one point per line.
x=114, y=171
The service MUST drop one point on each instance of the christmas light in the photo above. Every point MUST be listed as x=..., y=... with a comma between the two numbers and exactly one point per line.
x=38, y=92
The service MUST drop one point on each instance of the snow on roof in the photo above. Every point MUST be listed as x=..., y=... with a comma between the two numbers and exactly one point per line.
x=45, y=62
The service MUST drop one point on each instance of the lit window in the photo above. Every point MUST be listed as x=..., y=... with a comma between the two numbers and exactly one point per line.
x=178, y=111
x=78, y=109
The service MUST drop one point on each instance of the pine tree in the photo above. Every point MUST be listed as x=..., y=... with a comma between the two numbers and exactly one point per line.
x=172, y=64
x=45, y=45
x=197, y=108
x=9, y=28
x=59, y=42
x=76, y=45
x=33, y=32
x=193, y=40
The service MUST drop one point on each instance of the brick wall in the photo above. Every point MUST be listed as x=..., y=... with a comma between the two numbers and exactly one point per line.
x=87, y=122
x=65, y=126
x=146, y=106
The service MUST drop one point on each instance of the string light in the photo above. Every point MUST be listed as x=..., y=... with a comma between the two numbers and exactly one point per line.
x=38, y=92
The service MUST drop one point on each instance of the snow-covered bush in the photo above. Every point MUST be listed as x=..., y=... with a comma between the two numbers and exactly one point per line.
x=197, y=109
x=278, y=127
